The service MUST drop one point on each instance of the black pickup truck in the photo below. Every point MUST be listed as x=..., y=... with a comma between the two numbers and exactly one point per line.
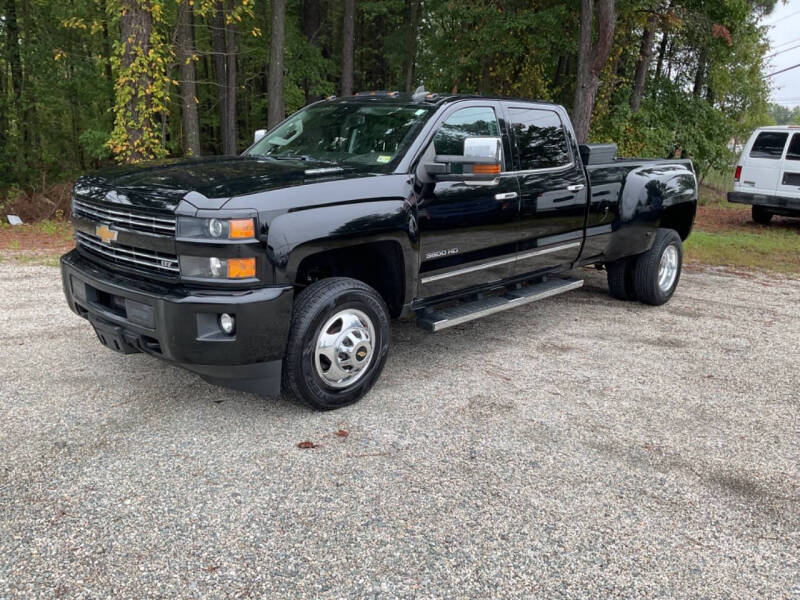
x=282, y=267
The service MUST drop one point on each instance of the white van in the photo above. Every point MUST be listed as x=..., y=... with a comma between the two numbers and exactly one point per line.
x=768, y=173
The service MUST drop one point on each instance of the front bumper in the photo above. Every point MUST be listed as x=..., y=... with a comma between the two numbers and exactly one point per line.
x=779, y=205
x=180, y=324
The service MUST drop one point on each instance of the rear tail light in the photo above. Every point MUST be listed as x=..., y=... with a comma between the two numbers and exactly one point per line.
x=738, y=174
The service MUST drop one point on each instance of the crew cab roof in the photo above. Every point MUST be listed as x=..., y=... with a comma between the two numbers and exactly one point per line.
x=429, y=99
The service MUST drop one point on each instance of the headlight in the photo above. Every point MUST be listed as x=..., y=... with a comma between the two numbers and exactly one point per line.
x=216, y=229
x=205, y=267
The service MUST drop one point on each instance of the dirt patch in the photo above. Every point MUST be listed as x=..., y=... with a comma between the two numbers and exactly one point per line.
x=726, y=218
x=49, y=237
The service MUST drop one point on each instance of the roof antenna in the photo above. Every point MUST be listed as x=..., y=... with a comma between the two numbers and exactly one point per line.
x=419, y=94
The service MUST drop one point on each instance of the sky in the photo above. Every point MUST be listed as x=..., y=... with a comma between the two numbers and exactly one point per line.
x=784, y=35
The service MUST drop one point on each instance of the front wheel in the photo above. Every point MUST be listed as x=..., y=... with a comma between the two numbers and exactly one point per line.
x=761, y=215
x=338, y=343
x=658, y=270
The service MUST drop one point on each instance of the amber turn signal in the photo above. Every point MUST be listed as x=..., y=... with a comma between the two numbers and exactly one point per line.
x=241, y=268
x=486, y=169
x=242, y=228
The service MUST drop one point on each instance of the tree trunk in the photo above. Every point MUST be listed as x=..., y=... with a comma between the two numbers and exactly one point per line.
x=670, y=56
x=15, y=62
x=643, y=64
x=662, y=51
x=312, y=19
x=591, y=60
x=136, y=26
x=107, y=56
x=348, y=31
x=220, y=69
x=3, y=111
x=275, y=81
x=412, y=32
x=230, y=143
x=700, y=74
x=75, y=115
x=186, y=53
x=31, y=116
x=561, y=69
x=311, y=25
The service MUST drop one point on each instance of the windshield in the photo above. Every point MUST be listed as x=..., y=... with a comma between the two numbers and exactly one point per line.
x=356, y=134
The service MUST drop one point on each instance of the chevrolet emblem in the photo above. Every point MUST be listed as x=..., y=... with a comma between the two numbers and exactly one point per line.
x=105, y=234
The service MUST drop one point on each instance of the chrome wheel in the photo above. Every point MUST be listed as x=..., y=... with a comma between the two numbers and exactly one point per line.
x=344, y=348
x=668, y=268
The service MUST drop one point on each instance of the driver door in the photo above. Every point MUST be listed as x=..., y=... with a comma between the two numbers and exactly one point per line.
x=468, y=230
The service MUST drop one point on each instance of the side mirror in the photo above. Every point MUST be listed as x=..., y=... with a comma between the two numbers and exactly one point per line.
x=482, y=160
x=260, y=133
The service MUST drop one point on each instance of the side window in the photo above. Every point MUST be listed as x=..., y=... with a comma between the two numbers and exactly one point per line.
x=769, y=144
x=540, y=138
x=475, y=121
x=793, y=153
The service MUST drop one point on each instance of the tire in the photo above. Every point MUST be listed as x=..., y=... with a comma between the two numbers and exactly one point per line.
x=620, y=279
x=654, y=286
x=761, y=215
x=340, y=327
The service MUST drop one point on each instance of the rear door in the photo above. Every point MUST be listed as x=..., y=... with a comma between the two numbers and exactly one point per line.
x=789, y=179
x=468, y=230
x=553, y=187
x=761, y=165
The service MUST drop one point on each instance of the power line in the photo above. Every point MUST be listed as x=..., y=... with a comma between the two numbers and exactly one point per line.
x=782, y=51
x=781, y=71
x=786, y=43
x=789, y=16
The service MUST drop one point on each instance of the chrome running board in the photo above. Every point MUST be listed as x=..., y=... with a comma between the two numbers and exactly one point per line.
x=436, y=319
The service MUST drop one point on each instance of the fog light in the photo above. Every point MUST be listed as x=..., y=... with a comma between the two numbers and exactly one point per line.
x=227, y=323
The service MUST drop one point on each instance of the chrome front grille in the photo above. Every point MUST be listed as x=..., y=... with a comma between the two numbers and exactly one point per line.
x=117, y=216
x=136, y=258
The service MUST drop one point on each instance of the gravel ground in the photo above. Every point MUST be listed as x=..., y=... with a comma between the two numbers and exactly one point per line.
x=577, y=447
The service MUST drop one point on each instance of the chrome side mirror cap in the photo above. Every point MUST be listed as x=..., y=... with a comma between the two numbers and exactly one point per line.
x=483, y=150
x=482, y=160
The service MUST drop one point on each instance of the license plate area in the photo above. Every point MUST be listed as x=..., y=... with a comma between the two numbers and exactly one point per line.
x=138, y=313
x=114, y=304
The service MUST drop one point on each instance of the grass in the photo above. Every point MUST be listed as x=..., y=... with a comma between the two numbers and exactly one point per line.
x=776, y=250
x=44, y=260
x=49, y=227
x=719, y=180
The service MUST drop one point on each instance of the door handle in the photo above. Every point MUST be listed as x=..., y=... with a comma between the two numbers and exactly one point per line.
x=575, y=188
x=506, y=196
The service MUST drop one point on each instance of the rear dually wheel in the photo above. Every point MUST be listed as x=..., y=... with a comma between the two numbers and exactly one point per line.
x=658, y=270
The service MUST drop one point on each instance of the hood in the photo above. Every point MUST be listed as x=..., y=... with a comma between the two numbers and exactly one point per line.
x=208, y=181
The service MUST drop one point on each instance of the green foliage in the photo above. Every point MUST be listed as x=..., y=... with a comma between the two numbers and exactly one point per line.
x=783, y=115
x=710, y=90
x=95, y=144
x=484, y=47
